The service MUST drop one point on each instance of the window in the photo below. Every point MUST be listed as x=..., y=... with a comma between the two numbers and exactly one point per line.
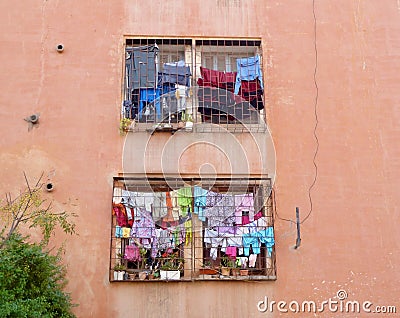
x=176, y=83
x=192, y=229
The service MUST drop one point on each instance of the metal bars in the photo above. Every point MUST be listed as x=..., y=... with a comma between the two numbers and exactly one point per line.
x=199, y=85
x=192, y=229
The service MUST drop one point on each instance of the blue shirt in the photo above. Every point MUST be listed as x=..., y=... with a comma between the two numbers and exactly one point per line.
x=248, y=69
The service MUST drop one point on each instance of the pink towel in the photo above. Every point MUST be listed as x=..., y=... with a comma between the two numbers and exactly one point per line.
x=231, y=252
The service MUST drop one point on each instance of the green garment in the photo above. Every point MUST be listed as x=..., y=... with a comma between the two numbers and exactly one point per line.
x=184, y=199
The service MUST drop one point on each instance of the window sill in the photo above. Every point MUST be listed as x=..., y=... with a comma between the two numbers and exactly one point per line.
x=198, y=128
x=207, y=278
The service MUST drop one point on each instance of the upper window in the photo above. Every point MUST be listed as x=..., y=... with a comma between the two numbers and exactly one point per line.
x=192, y=229
x=175, y=83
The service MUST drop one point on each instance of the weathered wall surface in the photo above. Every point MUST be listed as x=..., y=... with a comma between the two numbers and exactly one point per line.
x=350, y=240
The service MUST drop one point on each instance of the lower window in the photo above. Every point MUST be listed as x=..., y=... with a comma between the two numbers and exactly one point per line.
x=192, y=229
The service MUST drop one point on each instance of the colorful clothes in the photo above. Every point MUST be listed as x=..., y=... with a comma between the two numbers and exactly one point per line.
x=120, y=213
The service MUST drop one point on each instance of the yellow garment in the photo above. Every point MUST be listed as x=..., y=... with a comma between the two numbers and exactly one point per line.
x=126, y=232
x=188, y=231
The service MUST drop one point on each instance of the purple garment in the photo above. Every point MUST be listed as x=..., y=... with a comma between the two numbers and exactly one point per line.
x=144, y=228
x=222, y=212
x=225, y=229
x=164, y=239
x=212, y=198
x=244, y=202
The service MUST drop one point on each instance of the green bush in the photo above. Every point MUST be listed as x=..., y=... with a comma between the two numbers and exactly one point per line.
x=32, y=281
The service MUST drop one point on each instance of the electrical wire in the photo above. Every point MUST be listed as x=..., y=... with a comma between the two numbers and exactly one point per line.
x=276, y=211
x=316, y=116
x=314, y=132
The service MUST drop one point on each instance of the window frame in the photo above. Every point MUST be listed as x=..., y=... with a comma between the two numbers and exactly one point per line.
x=193, y=50
x=195, y=254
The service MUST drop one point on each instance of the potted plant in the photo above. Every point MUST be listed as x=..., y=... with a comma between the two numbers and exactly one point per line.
x=156, y=273
x=206, y=269
x=119, y=271
x=189, y=122
x=244, y=271
x=235, y=270
x=171, y=267
x=143, y=273
x=226, y=265
x=181, y=123
x=124, y=125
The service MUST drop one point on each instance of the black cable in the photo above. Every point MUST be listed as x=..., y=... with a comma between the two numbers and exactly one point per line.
x=316, y=116
x=315, y=128
x=276, y=211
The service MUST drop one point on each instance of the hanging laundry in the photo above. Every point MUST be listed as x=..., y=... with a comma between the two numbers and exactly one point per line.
x=200, y=201
x=244, y=206
x=164, y=239
x=149, y=103
x=248, y=69
x=215, y=94
x=172, y=210
x=211, y=237
x=144, y=228
x=214, y=101
x=117, y=195
x=188, y=231
x=128, y=109
x=138, y=199
x=184, y=199
x=144, y=66
x=120, y=212
x=181, y=93
x=175, y=73
x=118, y=231
x=252, y=260
x=231, y=252
x=252, y=92
x=159, y=205
x=178, y=235
x=213, y=78
x=166, y=88
x=213, y=198
x=246, y=218
x=129, y=215
x=259, y=224
x=233, y=240
x=175, y=206
x=222, y=210
x=126, y=231
x=252, y=240
x=267, y=237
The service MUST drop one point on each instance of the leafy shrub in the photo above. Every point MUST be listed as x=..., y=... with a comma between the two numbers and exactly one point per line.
x=32, y=281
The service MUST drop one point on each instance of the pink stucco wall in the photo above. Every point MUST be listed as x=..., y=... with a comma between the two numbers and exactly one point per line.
x=350, y=241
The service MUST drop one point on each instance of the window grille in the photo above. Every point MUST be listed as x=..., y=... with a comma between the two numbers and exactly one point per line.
x=195, y=84
x=192, y=229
